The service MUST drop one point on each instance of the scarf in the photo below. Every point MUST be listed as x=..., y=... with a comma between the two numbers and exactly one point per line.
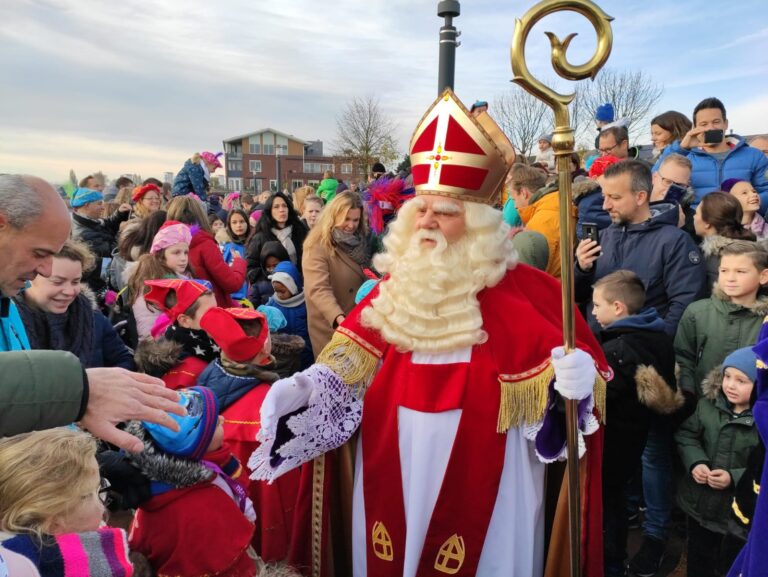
x=194, y=343
x=101, y=553
x=284, y=236
x=70, y=331
x=354, y=245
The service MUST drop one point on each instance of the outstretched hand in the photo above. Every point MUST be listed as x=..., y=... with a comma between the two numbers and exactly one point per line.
x=117, y=395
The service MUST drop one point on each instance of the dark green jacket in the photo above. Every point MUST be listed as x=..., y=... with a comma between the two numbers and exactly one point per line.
x=717, y=437
x=709, y=331
x=40, y=390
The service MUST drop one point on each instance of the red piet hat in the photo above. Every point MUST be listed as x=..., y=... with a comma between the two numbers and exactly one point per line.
x=140, y=191
x=222, y=326
x=187, y=292
x=600, y=164
x=457, y=155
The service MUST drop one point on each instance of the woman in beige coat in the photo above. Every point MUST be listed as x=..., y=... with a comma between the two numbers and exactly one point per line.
x=335, y=254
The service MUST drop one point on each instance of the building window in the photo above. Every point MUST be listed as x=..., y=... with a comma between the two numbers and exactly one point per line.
x=254, y=165
x=233, y=150
x=269, y=149
x=324, y=167
x=235, y=165
x=258, y=185
x=281, y=149
x=273, y=185
x=312, y=168
x=296, y=184
x=346, y=169
x=313, y=183
x=235, y=184
x=254, y=148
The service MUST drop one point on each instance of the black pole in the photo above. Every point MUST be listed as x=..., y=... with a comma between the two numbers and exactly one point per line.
x=448, y=10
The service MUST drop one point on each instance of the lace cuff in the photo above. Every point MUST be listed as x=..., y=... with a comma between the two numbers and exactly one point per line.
x=333, y=415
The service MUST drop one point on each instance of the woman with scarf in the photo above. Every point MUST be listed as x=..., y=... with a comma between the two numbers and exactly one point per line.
x=335, y=255
x=279, y=221
x=59, y=313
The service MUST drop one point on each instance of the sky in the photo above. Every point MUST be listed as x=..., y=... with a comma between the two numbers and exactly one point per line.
x=137, y=86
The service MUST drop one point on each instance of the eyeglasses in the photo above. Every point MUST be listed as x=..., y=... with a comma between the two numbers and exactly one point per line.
x=152, y=198
x=609, y=149
x=670, y=182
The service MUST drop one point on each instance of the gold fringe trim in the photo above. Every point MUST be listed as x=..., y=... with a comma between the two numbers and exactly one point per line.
x=524, y=401
x=351, y=360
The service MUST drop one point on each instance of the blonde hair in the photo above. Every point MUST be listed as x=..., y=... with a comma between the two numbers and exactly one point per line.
x=299, y=197
x=196, y=158
x=77, y=251
x=43, y=475
x=429, y=303
x=333, y=215
x=188, y=210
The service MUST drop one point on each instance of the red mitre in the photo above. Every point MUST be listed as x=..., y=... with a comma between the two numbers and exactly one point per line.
x=456, y=154
x=187, y=292
x=222, y=326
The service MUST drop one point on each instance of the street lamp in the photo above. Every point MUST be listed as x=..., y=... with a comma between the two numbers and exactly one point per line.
x=448, y=10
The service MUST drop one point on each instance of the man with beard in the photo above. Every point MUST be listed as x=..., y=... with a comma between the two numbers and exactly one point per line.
x=448, y=372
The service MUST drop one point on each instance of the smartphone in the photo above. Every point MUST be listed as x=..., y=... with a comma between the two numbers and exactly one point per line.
x=714, y=136
x=675, y=193
x=589, y=230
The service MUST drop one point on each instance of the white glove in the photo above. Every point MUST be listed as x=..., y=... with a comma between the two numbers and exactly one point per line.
x=575, y=373
x=285, y=396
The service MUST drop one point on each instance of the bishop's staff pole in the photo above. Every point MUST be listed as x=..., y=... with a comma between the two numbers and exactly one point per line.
x=563, y=143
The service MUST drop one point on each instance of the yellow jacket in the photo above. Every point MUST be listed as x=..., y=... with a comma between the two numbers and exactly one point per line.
x=543, y=215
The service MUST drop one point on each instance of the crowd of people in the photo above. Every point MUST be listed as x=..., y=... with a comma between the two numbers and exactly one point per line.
x=283, y=383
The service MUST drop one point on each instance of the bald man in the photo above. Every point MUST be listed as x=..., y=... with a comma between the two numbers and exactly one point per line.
x=43, y=389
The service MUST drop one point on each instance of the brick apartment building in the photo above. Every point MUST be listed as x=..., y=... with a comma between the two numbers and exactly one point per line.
x=272, y=160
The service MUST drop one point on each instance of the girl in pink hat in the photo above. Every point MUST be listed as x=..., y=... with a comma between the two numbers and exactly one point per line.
x=195, y=175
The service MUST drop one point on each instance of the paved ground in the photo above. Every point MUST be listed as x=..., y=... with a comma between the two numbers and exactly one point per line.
x=671, y=566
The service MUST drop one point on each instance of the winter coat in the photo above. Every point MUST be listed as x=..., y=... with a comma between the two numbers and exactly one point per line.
x=207, y=263
x=193, y=525
x=663, y=256
x=191, y=179
x=13, y=336
x=588, y=198
x=228, y=386
x=717, y=437
x=295, y=312
x=327, y=189
x=261, y=286
x=101, y=237
x=331, y=280
x=228, y=251
x=643, y=362
x=759, y=226
x=256, y=244
x=165, y=360
x=543, y=215
x=711, y=247
x=105, y=349
x=709, y=331
x=742, y=162
x=145, y=317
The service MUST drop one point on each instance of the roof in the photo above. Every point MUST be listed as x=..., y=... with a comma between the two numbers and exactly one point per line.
x=279, y=133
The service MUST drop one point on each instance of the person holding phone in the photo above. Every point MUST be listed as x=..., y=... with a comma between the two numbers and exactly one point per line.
x=716, y=157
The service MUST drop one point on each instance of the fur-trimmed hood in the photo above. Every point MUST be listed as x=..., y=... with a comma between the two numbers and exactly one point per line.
x=286, y=345
x=584, y=188
x=157, y=357
x=655, y=393
x=712, y=384
x=159, y=466
x=714, y=244
x=759, y=307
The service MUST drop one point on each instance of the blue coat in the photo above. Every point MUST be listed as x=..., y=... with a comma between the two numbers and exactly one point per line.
x=588, y=198
x=295, y=312
x=742, y=162
x=13, y=335
x=191, y=178
x=662, y=255
x=108, y=349
x=228, y=388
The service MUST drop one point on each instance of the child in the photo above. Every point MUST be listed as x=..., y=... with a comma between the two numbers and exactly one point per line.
x=186, y=350
x=642, y=358
x=272, y=253
x=327, y=188
x=240, y=380
x=199, y=520
x=237, y=232
x=289, y=299
x=746, y=194
x=714, y=444
x=168, y=258
x=52, y=509
x=730, y=319
x=313, y=206
x=216, y=223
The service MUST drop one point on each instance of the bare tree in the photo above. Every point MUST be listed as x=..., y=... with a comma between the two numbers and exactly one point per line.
x=633, y=94
x=522, y=117
x=364, y=133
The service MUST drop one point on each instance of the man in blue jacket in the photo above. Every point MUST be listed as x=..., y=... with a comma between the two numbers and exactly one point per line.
x=716, y=160
x=644, y=241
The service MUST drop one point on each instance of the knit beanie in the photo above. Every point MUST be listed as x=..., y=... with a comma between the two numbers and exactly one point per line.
x=172, y=232
x=727, y=185
x=196, y=429
x=744, y=360
x=532, y=248
x=287, y=274
x=604, y=112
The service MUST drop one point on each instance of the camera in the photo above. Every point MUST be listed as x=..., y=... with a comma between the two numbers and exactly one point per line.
x=713, y=136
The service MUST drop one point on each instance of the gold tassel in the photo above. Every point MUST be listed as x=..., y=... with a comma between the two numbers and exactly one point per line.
x=524, y=401
x=350, y=360
x=599, y=394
